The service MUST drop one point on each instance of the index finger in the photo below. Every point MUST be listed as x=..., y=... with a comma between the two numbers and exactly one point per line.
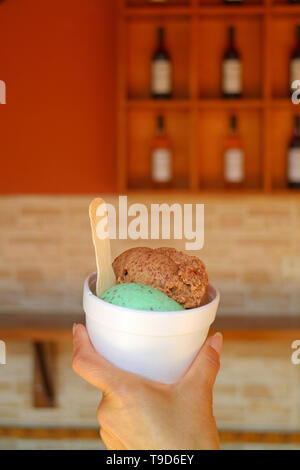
x=90, y=365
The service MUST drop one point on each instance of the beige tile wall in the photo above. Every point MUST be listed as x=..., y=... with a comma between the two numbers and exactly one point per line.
x=257, y=389
x=252, y=252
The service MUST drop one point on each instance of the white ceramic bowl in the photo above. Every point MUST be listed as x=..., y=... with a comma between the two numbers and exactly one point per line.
x=156, y=345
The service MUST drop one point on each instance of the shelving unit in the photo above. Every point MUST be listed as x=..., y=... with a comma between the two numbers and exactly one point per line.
x=197, y=117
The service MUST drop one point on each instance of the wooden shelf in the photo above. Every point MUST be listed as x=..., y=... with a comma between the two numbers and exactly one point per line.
x=231, y=104
x=242, y=10
x=220, y=193
x=58, y=327
x=258, y=327
x=147, y=191
x=143, y=187
x=197, y=117
x=211, y=10
x=137, y=12
x=286, y=192
x=282, y=9
x=158, y=104
x=38, y=327
x=283, y=103
x=198, y=103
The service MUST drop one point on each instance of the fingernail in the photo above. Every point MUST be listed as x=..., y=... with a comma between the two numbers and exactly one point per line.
x=74, y=328
x=216, y=342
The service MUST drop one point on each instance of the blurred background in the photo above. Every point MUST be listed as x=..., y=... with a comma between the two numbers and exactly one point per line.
x=185, y=101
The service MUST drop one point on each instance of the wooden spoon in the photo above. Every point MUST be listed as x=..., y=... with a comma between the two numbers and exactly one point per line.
x=99, y=225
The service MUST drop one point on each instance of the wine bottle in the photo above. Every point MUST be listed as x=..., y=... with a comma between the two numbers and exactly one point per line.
x=234, y=172
x=161, y=157
x=295, y=60
x=231, y=69
x=233, y=2
x=161, y=81
x=293, y=167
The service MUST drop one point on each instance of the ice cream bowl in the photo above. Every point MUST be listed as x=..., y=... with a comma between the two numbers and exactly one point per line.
x=157, y=345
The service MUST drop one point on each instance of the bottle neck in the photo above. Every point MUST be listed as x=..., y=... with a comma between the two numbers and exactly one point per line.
x=233, y=125
x=160, y=125
x=161, y=37
x=231, y=36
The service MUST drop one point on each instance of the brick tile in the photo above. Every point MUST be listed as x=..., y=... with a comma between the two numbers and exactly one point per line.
x=29, y=274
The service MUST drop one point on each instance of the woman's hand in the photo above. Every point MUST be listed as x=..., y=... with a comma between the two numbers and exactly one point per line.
x=136, y=413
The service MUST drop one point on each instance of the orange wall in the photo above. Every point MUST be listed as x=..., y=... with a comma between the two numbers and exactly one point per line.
x=57, y=130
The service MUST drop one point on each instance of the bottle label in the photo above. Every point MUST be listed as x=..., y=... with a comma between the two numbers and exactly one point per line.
x=234, y=165
x=295, y=70
x=232, y=76
x=294, y=165
x=161, y=77
x=161, y=165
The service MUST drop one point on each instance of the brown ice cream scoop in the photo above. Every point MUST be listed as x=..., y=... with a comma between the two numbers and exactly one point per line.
x=178, y=275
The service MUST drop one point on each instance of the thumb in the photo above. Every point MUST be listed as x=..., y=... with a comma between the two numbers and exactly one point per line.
x=89, y=364
x=205, y=368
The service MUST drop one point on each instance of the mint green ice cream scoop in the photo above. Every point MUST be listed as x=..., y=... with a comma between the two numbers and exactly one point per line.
x=140, y=297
